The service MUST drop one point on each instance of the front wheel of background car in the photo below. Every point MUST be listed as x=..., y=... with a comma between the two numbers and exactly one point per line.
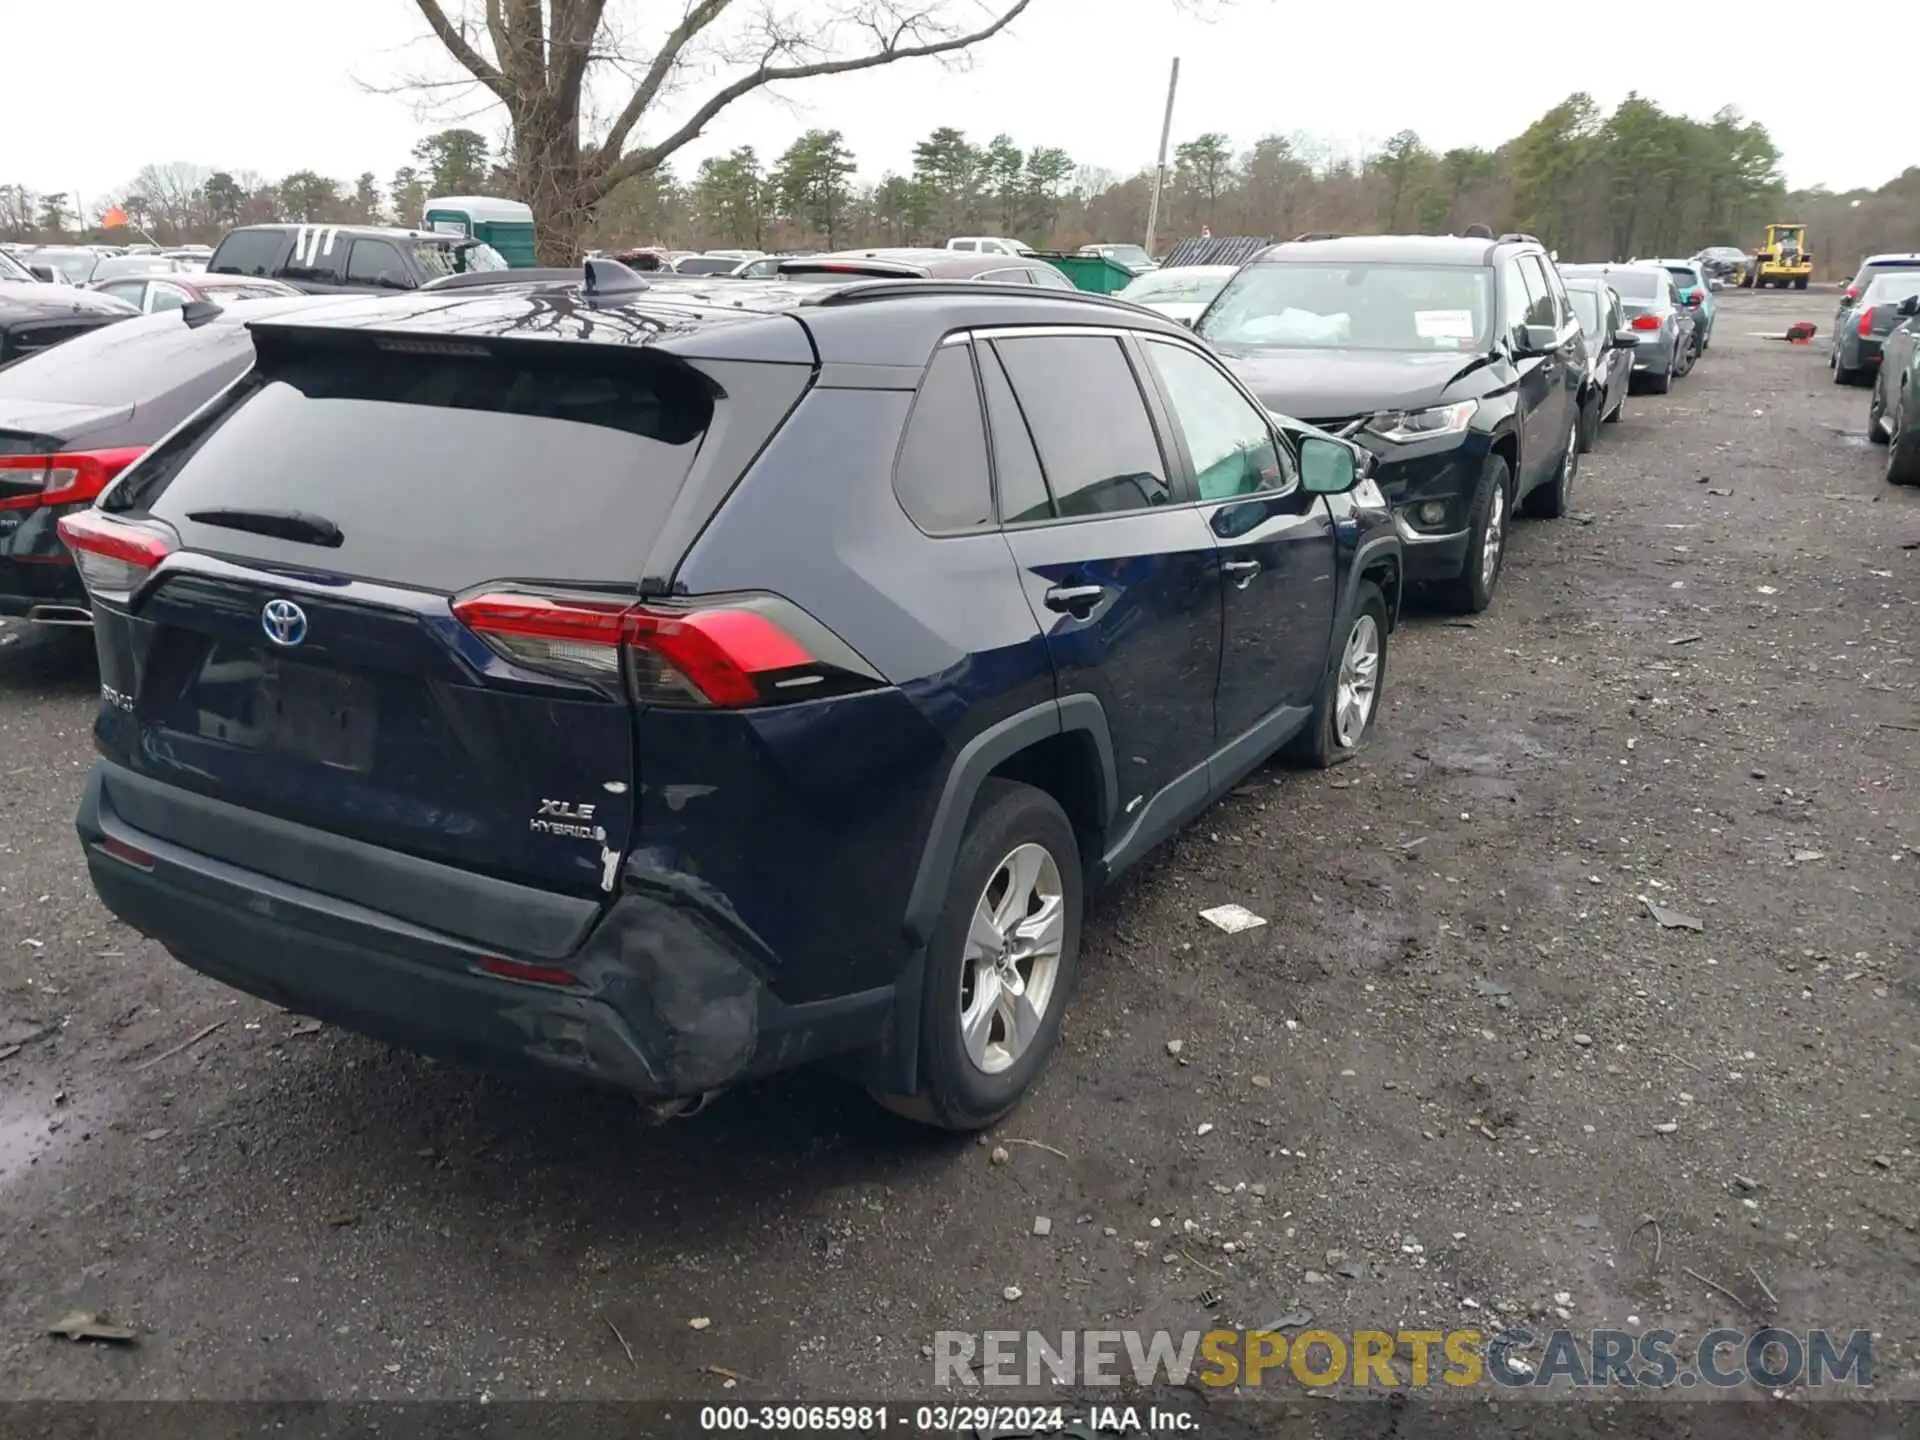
x=1001, y=962
x=1550, y=501
x=1590, y=420
x=1349, y=698
x=1471, y=591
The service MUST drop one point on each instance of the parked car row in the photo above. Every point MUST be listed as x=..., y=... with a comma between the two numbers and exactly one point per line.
x=889, y=607
x=1876, y=342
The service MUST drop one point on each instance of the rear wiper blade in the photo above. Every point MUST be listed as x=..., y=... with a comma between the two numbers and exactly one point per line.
x=295, y=525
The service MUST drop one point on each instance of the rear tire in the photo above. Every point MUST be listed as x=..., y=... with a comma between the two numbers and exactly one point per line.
x=1660, y=384
x=1472, y=590
x=1876, y=414
x=1842, y=374
x=1015, y=829
x=1800, y=282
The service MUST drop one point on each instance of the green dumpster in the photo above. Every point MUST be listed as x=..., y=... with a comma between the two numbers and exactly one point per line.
x=506, y=225
x=1093, y=273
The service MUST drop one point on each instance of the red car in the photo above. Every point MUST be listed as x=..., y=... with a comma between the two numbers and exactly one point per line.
x=171, y=290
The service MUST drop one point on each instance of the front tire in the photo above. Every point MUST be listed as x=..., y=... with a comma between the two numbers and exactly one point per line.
x=1590, y=421
x=1800, y=282
x=1551, y=500
x=1903, y=448
x=1001, y=962
x=1349, y=699
x=1471, y=591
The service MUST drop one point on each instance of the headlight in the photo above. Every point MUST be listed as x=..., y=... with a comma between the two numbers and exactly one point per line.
x=1406, y=426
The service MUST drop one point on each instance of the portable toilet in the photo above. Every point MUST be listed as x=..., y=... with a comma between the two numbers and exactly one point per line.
x=506, y=225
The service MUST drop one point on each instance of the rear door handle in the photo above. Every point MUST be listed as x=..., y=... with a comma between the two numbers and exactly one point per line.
x=1074, y=600
x=1241, y=572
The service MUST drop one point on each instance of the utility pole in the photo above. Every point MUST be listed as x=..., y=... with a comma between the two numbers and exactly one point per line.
x=1160, y=166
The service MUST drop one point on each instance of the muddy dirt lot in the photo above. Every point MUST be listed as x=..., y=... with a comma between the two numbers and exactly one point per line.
x=1444, y=1083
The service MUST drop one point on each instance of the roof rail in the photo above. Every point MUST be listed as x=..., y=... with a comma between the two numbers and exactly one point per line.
x=1317, y=235
x=1521, y=235
x=860, y=292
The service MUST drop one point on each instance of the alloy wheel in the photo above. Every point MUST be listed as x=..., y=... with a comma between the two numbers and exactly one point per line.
x=1358, y=685
x=1012, y=958
x=1494, y=538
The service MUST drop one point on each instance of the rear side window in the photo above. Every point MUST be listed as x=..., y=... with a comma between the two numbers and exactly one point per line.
x=1541, y=309
x=1638, y=284
x=248, y=252
x=129, y=362
x=319, y=255
x=375, y=262
x=1089, y=423
x=441, y=472
x=941, y=476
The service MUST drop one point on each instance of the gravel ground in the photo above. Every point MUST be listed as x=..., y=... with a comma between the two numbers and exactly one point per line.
x=1461, y=1030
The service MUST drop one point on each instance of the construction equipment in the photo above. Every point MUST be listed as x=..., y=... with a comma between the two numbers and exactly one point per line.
x=1782, y=261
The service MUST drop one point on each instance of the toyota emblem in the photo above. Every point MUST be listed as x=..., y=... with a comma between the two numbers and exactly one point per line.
x=284, y=622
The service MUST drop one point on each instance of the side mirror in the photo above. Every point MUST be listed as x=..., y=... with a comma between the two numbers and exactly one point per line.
x=1909, y=306
x=43, y=272
x=1327, y=467
x=1626, y=340
x=1536, y=339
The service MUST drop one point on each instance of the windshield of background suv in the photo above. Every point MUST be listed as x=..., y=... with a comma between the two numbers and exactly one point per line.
x=76, y=266
x=1354, y=307
x=1683, y=275
x=456, y=257
x=1183, y=282
x=1126, y=254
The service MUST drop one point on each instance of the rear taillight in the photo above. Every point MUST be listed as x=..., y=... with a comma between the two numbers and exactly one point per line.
x=1866, y=320
x=731, y=653
x=113, y=556
x=68, y=478
x=1646, y=322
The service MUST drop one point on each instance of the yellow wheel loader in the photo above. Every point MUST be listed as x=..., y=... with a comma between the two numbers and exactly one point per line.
x=1782, y=261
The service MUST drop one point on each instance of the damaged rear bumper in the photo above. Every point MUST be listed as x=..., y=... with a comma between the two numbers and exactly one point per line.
x=658, y=999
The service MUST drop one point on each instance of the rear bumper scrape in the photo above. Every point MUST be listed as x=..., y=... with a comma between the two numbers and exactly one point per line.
x=668, y=1005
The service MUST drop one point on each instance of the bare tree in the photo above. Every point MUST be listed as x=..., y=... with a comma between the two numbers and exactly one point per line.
x=543, y=60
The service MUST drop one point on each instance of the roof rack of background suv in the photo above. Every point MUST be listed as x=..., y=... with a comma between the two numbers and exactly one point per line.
x=861, y=292
x=1520, y=235
x=1317, y=235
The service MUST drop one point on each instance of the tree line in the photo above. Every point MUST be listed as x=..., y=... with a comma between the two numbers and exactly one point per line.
x=1594, y=185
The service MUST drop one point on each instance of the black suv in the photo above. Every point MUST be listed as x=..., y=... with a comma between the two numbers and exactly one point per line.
x=324, y=259
x=1457, y=361
x=606, y=679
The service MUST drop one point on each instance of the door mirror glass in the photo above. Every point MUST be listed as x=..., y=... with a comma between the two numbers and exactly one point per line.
x=1327, y=467
x=1536, y=339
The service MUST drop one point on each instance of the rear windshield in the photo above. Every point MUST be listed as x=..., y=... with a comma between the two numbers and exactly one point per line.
x=76, y=266
x=1683, y=275
x=127, y=362
x=1638, y=284
x=1890, y=287
x=442, y=472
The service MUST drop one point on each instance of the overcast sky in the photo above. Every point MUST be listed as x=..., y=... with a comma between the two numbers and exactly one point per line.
x=259, y=85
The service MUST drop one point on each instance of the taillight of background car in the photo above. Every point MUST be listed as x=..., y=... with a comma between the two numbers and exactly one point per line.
x=68, y=478
x=1866, y=320
x=1646, y=322
x=113, y=555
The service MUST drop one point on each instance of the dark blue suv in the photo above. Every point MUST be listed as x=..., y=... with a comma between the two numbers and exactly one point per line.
x=666, y=690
